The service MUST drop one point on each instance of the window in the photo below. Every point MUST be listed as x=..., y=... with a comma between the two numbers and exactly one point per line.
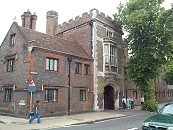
x=78, y=69
x=51, y=64
x=110, y=54
x=10, y=65
x=13, y=39
x=106, y=54
x=51, y=95
x=8, y=95
x=86, y=69
x=109, y=33
x=82, y=95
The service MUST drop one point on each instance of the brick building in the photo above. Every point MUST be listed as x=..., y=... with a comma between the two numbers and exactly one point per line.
x=102, y=40
x=52, y=63
x=85, y=54
x=76, y=67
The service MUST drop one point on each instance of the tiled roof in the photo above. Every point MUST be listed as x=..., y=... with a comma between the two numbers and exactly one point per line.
x=53, y=43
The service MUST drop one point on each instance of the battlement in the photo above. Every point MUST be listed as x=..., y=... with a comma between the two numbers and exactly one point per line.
x=94, y=14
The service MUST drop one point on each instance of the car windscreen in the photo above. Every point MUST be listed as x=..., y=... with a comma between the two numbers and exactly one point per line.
x=168, y=109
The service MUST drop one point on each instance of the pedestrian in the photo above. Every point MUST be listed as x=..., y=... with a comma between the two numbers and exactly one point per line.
x=124, y=103
x=142, y=100
x=132, y=103
x=36, y=113
x=128, y=103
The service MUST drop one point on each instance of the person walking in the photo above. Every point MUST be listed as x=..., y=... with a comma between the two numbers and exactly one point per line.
x=132, y=103
x=124, y=103
x=36, y=113
x=128, y=103
x=142, y=101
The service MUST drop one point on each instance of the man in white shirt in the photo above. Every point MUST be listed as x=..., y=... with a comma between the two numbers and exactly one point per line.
x=124, y=103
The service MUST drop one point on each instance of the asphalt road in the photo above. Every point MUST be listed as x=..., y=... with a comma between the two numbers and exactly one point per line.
x=125, y=123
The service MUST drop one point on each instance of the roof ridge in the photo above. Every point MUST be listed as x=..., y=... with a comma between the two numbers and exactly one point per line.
x=43, y=39
x=54, y=37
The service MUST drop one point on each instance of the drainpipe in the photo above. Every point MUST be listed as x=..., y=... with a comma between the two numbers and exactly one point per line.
x=29, y=78
x=69, y=58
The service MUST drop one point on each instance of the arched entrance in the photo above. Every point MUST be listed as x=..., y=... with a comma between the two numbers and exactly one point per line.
x=109, y=97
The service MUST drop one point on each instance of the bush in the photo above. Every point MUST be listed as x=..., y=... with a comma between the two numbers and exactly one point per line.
x=151, y=105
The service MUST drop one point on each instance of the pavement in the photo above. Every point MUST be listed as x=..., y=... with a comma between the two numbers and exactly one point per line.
x=13, y=123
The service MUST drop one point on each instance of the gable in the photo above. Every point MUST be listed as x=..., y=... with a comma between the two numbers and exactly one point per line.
x=13, y=41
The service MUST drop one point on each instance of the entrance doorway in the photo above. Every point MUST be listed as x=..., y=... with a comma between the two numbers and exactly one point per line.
x=109, y=98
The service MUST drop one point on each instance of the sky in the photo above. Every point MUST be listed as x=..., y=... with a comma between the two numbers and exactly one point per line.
x=67, y=9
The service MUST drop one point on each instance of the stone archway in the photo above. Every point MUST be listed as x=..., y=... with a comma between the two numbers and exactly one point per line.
x=109, y=98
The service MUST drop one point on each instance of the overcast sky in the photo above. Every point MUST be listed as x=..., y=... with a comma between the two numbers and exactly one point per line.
x=67, y=9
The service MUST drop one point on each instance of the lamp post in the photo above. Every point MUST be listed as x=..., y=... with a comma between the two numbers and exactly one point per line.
x=69, y=58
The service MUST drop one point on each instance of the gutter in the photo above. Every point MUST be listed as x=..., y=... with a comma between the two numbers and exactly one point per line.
x=64, y=53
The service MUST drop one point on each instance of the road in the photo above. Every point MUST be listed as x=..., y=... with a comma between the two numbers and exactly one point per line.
x=125, y=123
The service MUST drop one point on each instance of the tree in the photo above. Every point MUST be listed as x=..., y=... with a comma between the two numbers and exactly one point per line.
x=150, y=41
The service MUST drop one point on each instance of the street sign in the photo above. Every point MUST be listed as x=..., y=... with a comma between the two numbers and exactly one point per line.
x=32, y=87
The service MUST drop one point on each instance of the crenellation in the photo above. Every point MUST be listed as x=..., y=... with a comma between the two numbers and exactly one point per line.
x=71, y=21
x=86, y=17
x=102, y=15
x=77, y=18
x=108, y=18
x=65, y=26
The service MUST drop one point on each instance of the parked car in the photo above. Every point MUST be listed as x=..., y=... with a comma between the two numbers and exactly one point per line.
x=162, y=120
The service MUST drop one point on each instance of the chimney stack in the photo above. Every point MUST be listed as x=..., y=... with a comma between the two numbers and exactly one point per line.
x=52, y=22
x=28, y=20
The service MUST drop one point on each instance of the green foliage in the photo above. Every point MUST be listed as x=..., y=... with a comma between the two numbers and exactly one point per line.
x=150, y=41
x=151, y=105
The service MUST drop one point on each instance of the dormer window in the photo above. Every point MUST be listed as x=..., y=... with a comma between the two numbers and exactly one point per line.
x=13, y=39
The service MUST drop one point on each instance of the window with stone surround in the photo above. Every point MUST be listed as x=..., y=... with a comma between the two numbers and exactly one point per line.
x=13, y=39
x=78, y=68
x=51, y=64
x=86, y=69
x=10, y=64
x=109, y=33
x=82, y=95
x=8, y=94
x=51, y=95
x=110, y=57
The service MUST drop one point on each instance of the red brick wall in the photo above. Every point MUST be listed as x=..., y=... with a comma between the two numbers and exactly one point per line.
x=81, y=35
